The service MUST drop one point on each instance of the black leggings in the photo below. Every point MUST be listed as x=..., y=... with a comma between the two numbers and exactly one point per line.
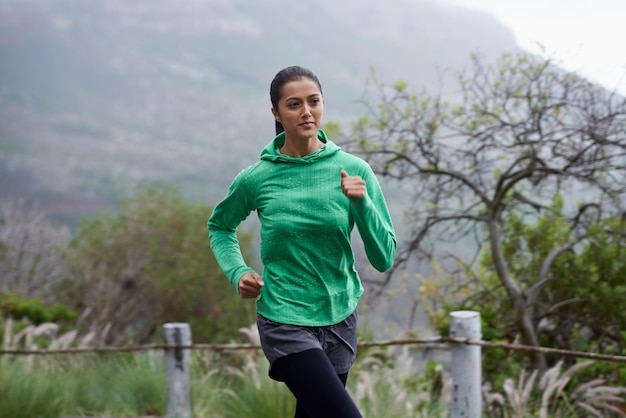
x=320, y=392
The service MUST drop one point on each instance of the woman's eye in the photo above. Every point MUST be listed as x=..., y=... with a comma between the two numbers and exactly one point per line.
x=293, y=105
x=315, y=101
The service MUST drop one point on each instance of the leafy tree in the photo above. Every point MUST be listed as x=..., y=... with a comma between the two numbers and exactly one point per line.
x=576, y=308
x=575, y=311
x=518, y=133
x=148, y=264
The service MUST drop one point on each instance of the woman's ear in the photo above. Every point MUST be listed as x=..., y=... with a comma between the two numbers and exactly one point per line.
x=276, y=115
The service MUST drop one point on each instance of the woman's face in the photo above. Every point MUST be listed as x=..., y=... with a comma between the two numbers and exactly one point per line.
x=300, y=109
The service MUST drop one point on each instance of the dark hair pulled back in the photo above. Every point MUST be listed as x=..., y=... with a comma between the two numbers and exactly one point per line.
x=283, y=77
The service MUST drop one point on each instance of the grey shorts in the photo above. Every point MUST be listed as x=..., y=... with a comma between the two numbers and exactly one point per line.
x=337, y=341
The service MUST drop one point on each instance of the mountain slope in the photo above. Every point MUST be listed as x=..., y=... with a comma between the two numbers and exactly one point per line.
x=96, y=96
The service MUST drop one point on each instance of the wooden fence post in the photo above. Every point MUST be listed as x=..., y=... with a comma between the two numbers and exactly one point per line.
x=177, y=366
x=466, y=366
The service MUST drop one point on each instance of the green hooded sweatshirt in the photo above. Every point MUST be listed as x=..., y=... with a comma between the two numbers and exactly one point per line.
x=306, y=224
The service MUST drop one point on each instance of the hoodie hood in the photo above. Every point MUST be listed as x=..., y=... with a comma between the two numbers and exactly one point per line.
x=272, y=151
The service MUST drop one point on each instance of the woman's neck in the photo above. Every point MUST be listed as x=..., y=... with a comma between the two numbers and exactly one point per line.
x=300, y=147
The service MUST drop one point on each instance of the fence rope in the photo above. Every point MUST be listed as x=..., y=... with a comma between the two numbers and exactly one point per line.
x=397, y=342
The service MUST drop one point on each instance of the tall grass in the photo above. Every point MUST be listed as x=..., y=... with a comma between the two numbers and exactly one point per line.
x=557, y=394
x=34, y=394
x=111, y=384
x=384, y=383
x=253, y=394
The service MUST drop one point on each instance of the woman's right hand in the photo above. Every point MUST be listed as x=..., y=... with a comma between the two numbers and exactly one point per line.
x=250, y=285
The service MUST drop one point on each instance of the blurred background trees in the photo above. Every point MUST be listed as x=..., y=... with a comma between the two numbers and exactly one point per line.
x=128, y=272
x=31, y=251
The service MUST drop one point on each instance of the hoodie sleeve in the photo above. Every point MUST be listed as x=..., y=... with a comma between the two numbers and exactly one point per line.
x=223, y=224
x=373, y=221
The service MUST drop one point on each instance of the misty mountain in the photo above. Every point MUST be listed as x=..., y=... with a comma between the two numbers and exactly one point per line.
x=96, y=96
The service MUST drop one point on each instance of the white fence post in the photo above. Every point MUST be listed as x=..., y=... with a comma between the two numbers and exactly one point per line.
x=466, y=366
x=177, y=366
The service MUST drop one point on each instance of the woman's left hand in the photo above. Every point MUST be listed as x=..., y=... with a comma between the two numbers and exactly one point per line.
x=352, y=186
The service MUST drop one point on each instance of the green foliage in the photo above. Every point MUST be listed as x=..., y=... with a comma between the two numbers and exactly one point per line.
x=33, y=309
x=149, y=264
x=110, y=385
x=577, y=308
x=400, y=85
x=585, y=284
